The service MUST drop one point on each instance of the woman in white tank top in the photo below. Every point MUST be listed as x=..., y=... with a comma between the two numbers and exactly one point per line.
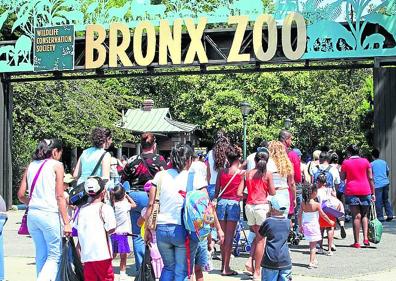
x=47, y=206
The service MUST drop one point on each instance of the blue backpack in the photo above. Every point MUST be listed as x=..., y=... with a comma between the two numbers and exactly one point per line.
x=329, y=176
x=198, y=213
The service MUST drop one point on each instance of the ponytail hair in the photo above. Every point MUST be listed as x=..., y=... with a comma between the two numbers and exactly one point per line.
x=261, y=160
x=322, y=178
x=117, y=194
x=307, y=191
x=45, y=147
x=180, y=155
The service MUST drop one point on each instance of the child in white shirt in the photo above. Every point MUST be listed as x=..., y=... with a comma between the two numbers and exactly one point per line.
x=96, y=221
x=122, y=205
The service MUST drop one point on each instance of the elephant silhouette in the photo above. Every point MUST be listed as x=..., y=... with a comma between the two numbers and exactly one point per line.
x=373, y=39
x=331, y=30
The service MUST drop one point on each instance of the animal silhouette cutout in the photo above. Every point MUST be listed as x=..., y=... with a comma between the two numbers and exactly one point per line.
x=372, y=40
x=328, y=30
x=73, y=17
x=7, y=51
x=118, y=14
x=23, y=48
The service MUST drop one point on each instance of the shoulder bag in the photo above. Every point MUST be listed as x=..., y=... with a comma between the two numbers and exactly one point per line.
x=375, y=226
x=78, y=196
x=152, y=219
x=214, y=201
x=23, y=229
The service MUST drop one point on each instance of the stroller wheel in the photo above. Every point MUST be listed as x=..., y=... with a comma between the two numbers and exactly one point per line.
x=236, y=252
x=296, y=241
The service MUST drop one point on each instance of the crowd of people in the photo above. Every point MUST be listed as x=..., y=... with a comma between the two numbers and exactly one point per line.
x=146, y=197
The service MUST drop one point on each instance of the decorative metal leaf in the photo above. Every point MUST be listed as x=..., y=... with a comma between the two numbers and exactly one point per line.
x=20, y=21
x=3, y=18
x=92, y=7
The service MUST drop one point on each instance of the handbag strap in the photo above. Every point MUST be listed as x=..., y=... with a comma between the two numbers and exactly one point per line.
x=35, y=179
x=158, y=186
x=228, y=183
x=373, y=211
x=98, y=164
x=146, y=166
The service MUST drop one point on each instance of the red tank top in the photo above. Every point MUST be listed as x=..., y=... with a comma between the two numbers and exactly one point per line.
x=232, y=189
x=257, y=191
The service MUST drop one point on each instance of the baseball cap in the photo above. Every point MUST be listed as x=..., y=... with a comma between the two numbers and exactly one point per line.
x=68, y=178
x=278, y=203
x=94, y=185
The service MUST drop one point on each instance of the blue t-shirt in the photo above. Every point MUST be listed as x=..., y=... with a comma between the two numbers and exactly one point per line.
x=380, y=173
x=276, y=255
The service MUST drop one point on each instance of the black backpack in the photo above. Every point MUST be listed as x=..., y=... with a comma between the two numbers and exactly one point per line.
x=78, y=196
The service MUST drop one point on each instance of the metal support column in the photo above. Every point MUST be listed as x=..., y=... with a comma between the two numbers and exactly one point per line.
x=6, y=140
x=385, y=121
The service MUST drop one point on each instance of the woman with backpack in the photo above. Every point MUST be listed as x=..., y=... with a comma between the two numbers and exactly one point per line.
x=101, y=140
x=229, y=187
x=169, y=186
x=359, y=191
x=259, y=184
x=43, y=180
x=140, y=169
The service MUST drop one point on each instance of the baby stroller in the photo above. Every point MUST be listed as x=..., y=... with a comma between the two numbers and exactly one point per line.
x=241, y=242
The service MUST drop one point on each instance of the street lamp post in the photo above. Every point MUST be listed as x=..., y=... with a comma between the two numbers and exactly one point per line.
x=245, y=108
x=288, y=123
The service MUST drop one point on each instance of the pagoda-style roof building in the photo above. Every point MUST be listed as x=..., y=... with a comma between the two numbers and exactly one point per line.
x=158, y=121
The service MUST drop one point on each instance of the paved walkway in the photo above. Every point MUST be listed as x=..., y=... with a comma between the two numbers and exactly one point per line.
x=366, y=264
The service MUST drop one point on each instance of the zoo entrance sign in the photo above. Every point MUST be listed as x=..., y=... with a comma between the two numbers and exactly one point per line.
x=295, y=29
x=170, y=41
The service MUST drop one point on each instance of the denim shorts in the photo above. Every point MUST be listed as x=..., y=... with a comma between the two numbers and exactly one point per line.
x=201, y=257
x=228, y=210
x=355, y=200
x=211, y=191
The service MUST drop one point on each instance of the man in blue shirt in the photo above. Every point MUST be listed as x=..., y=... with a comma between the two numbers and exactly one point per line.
x=381, y=183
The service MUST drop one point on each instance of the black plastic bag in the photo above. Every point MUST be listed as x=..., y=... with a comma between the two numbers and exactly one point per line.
x=146, y=272
x=70, y=268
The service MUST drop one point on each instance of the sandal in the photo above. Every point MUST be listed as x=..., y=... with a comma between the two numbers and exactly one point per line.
x=366, y=243
x=249, y=269
x=356, y=245
x=232, y=273
x=313, y=265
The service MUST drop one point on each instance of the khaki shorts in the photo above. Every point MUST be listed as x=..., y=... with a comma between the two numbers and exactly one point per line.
x=257, y=214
